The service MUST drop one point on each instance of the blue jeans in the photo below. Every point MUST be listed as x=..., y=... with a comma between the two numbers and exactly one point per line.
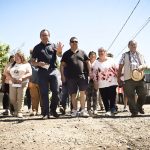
x=49, y=79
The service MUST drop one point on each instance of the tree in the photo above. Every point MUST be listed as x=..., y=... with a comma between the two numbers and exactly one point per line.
x=4, y=49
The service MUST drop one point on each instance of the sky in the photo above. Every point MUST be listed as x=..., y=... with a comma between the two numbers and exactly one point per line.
x=94, y=22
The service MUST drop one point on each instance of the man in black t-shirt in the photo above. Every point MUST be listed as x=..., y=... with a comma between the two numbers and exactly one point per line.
x=75, y=62
x=44, y=56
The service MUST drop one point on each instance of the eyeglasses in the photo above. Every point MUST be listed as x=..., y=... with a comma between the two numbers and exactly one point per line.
x=73, y=41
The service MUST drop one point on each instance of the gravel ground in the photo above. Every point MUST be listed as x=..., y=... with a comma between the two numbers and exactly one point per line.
x=120, y=132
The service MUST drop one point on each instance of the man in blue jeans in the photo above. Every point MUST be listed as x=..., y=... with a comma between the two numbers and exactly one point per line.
x=44, y=56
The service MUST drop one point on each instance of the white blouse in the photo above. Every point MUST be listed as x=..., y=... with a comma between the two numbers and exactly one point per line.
x=104, y=73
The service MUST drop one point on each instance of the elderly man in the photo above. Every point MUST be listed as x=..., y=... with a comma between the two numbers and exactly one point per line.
x=133, y=62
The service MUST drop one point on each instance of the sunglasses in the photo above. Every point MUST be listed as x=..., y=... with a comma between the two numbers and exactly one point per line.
x=73, y=41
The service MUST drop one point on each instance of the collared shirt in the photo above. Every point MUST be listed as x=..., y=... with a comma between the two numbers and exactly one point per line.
x=131, y=62
x=76, y=63
x=133, y=58
x=45, y=53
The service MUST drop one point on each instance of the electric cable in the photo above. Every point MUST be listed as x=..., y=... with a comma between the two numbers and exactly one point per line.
x=123, y=25
x=136, y=34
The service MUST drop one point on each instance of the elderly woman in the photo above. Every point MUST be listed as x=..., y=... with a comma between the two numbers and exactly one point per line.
x=18, y=73
x=104, y=73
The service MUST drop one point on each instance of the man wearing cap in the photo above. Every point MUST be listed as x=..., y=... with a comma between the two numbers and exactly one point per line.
x=76, y=64
x=133, y=63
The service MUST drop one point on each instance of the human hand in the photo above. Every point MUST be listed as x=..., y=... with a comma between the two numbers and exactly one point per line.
x=59, y=48
x=40, y=64
x=141, y=67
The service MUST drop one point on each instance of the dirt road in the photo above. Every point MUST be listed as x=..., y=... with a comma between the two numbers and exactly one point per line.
x=121, y=132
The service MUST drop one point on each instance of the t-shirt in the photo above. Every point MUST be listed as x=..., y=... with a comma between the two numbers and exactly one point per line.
x=104, y=73
x=76, y=63
x=18, y=70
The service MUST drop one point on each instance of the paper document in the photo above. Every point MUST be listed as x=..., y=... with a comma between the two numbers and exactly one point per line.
x=46, y=66
x=16, y=85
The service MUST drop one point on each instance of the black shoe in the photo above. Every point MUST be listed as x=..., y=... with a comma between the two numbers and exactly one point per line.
x=46, y=117
x=54, y=113
x=62, y=110
x=141, y=111
x=134, y=114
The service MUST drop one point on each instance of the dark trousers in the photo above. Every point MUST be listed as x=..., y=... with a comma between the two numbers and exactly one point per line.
x=91, y=96
x=6, y=100
x=108, y=95
x=135, y=87
x=28, y=98
x=49, y=79
x=6, y=96
x=65, y=95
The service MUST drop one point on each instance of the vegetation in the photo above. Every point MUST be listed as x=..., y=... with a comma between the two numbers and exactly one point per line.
x=4, y=49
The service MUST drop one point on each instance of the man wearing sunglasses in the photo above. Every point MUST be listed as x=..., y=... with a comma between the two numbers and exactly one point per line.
x=76, y=64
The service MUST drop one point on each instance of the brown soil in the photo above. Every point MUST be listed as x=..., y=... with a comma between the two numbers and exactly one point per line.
x=121, y=132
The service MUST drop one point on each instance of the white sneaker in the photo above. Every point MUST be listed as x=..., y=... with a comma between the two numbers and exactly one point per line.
x=20, y=115
x=95, y=112
x=34, y=113
x=125, y=109
x=108, y=113
x=74, y=113
x=6, y=112
x=83, y=113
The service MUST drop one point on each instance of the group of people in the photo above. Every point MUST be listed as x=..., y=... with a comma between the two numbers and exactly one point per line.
x=81, y=74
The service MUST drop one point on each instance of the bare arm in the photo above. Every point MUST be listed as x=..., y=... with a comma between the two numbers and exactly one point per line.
x=62, y=66
x=119, y=73
x=88, y=65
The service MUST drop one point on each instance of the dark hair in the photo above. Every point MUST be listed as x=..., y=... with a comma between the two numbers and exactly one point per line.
x=44, y=31
x=12, y=64
x=72, y=38
x=92, y=53
x=110, y=55
x=11, y=56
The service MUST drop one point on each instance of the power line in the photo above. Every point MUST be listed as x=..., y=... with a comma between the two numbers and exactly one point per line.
x=123, y=25
x=136, y=34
